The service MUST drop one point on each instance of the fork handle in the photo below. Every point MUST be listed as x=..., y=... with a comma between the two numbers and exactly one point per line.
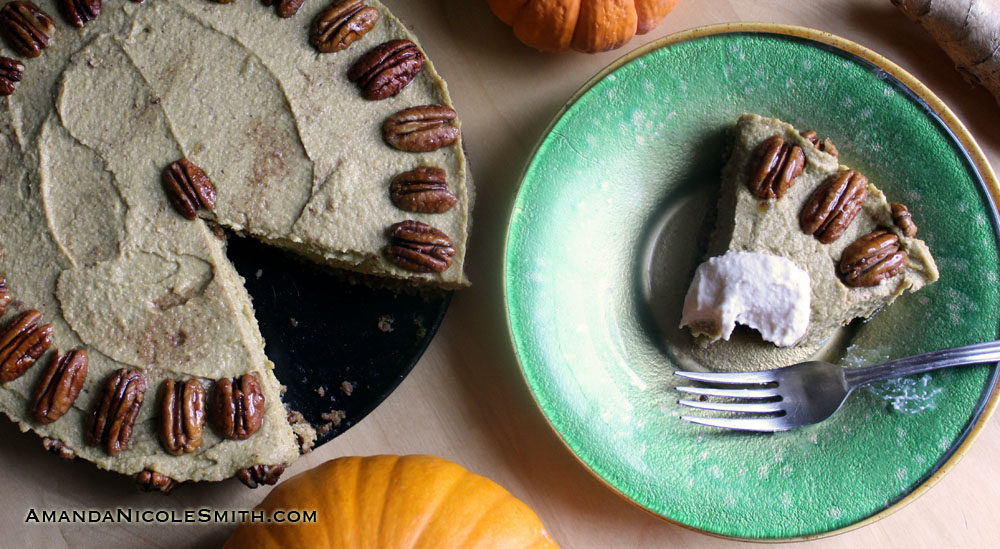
x=978, y=353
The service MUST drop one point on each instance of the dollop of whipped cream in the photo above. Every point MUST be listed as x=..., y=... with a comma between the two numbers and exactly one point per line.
x=765, y=292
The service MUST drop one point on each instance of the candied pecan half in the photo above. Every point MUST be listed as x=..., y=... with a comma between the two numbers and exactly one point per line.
x=286, y=8
x=826, y=145
x=80, y=12
x=26, y=28
x=424, y=128
x=11, y=72
x=182, y=415
x=57, y=447
x=388, y=68
x=151, y=481
x=901, y=216
x=238, y=407
x=423, y=190
x=22, y=342
x=112, y=421
x=342, y=24
x=260, y=474
x=775, y=167
x=871, y=259
x=59, y=386
x=832, y=207
x=188, y=188
x=418, y=247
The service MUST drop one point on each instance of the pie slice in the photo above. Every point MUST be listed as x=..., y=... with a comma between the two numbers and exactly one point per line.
x=93, y=244
x=786, y=196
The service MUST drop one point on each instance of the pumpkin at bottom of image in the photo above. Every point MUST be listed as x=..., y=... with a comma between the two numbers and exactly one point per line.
x=394, y=502
x=589, y=26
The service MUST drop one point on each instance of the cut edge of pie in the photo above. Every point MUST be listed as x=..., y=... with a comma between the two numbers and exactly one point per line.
x=764, y=223
x=91, y=241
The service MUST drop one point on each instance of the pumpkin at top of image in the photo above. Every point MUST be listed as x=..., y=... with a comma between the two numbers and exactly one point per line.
x=400, y=502
x=584, y=25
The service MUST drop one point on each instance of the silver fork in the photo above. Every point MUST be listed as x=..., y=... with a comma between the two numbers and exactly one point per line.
x=809, y=392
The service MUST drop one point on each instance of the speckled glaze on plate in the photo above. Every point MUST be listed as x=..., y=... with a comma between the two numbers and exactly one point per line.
x=614, y=211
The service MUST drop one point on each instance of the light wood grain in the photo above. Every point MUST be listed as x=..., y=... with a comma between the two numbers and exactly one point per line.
x=466, y=400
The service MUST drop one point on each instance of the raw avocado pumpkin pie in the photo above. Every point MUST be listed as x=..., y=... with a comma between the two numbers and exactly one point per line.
x=798, y=231
x=131, y=130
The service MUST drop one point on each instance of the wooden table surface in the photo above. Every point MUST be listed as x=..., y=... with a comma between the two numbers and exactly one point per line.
x=466, y=399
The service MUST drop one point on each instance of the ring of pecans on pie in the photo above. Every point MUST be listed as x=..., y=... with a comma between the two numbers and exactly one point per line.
x=236, y=406
x=238, y=411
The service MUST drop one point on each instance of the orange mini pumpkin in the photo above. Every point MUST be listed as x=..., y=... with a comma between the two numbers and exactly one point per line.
x=584, y=25
x=394, y=501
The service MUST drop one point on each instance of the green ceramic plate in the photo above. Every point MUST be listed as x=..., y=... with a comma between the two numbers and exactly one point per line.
x=611, y=219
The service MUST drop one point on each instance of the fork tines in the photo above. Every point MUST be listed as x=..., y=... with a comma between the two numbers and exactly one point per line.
x=763, y=385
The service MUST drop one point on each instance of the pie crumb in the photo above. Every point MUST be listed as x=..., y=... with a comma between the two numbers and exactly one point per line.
x=385, y=323
x=334, y=417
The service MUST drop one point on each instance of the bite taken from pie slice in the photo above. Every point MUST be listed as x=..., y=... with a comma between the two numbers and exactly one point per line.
x=803, y=245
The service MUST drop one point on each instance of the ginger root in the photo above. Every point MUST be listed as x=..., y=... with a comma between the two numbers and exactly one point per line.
x=967, y=30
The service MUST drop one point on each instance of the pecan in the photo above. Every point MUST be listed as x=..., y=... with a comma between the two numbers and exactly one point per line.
x=419, y=247
x=833, y=205
x=80, y=12
x=423, y=190
x=57, y=447
x=775, y=167
x=11, y=72
x=59, y=386
x=26, y=28
x=182, y=415
x=188, y=188
x=901, y=216
x=238, y=407
x=387, y=69
x=421, y=129
x=260, y=474
x=871, y=259
x=286, y=8
x=826, y=145
x=21, y=343
x=151, y=481
x=5, y=297
x=342, y=24
x=112, y=421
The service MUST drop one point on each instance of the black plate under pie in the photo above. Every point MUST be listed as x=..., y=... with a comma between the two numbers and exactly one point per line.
x=323, y=328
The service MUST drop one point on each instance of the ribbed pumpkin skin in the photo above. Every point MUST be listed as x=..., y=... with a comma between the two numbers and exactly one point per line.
x=396, y=502
x=583, y=25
